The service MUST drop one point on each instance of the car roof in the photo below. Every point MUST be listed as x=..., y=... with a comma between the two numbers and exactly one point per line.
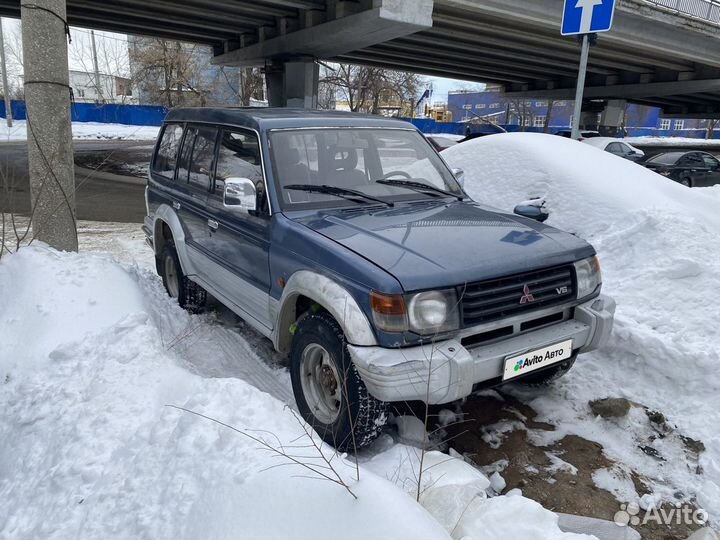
x=266, y=118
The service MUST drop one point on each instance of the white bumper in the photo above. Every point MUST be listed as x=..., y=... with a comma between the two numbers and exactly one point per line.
x=446, y=371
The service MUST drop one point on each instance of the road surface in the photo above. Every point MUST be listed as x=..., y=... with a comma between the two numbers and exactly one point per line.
x=97, y=198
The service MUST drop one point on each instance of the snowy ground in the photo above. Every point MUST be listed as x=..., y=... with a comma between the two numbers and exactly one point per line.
x=671, y=141
x=93, y=355
x=657, y=242
x=86, y=130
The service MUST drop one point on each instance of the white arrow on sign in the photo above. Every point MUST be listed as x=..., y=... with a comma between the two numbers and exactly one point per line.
x=588, y=7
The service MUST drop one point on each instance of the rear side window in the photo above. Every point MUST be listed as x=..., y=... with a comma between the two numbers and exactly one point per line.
x=166, y=157
x=197, y=158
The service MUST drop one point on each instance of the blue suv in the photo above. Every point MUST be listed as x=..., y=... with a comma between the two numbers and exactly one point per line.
x=347, y=241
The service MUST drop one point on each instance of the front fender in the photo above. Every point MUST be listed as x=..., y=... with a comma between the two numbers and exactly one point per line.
x=331, y=296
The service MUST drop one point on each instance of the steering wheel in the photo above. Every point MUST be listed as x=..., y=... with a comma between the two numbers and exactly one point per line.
x=396, y=173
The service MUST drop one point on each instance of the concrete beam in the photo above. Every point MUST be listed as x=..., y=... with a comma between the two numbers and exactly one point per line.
x=386, y=20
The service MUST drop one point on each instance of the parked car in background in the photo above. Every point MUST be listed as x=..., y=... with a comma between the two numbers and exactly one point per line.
x=349, y=243
x=584, y=134
x=691, y=169
x=441, y=143
x=616, y=147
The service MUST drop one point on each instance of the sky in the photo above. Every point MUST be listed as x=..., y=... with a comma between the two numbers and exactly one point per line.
x=441, y=87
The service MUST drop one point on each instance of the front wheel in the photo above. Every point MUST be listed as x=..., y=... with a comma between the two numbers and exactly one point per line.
x=329, y=392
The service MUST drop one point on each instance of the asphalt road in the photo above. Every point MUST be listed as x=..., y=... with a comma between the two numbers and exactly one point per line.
x=98, y=197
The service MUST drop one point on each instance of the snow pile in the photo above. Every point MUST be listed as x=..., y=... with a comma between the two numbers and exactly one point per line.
x=454, y=492
x=86, y=130
x=89, y=449
x=657, y=242
x=92, y=354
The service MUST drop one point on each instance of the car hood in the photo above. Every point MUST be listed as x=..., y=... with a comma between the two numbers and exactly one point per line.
x=437, y=244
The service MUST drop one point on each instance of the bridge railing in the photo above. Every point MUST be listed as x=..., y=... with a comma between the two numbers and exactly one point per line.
x=708, y=10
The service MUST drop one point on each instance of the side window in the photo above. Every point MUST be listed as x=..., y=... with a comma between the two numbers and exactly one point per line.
x=166, y=157
x=183, y=167
x=239, y=157
x=692, y=160
x=710, y=162
x=614, y=148
x=203, y=156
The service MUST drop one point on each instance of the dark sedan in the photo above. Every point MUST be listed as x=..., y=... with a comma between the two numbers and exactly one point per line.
x=691, y=169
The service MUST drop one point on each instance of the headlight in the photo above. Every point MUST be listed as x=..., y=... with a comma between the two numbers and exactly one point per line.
x=588, y=276
x=424, y=313
x=432, y=311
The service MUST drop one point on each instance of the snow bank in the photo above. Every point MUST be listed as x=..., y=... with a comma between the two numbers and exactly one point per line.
x=658, y=243
x=86, y=130
x=89, y=449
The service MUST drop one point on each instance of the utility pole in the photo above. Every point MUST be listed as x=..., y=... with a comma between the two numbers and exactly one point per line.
x=49, y=133
x=6, y=88
x=98, y=85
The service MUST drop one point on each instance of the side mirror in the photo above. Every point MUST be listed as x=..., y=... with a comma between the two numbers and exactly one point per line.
x=240, y=194
x=459, y=175
x=538, y=212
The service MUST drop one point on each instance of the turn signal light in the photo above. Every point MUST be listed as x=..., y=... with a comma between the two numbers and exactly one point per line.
x=389, y=311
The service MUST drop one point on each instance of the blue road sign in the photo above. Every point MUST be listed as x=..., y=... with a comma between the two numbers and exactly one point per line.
x=587, y=16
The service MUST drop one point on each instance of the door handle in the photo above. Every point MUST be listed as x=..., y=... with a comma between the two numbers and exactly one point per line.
x=213, y=224
x=176, y=205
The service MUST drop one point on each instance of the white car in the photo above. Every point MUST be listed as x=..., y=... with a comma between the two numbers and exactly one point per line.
x=617, y=147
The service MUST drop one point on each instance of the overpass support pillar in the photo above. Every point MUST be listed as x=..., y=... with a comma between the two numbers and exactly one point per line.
x=49, y=133
x=612, y=118
x=293, y=83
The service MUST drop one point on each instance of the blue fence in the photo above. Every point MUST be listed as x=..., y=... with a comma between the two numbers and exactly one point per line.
x=134, y=115
x=427, y=125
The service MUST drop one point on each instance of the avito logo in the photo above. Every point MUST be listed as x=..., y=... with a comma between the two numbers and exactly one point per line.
x=537, y=359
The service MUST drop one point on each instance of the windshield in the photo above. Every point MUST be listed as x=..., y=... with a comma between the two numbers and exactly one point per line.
x=375, y=162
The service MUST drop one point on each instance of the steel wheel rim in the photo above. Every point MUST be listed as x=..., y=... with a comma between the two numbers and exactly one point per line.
x=321, y=383
x=171, y=276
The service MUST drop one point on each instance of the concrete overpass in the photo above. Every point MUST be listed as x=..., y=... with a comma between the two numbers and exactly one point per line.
x=654, y=55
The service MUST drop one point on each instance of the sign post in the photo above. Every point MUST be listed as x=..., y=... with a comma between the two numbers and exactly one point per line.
x=580, y=87
x=584, y=17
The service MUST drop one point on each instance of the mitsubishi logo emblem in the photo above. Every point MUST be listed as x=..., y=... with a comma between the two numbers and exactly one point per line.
x=527, y=295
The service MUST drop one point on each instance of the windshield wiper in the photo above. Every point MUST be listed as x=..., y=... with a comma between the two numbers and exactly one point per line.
x=349, y=194
x=418, y=186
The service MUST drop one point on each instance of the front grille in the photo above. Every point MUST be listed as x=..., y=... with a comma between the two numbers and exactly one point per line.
x=496, y=299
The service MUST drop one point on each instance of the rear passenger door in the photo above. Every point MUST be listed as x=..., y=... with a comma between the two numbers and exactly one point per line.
x=193, y=182
x=240, y=243
x=713, y=167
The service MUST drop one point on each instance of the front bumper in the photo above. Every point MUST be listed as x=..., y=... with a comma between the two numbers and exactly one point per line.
x=446, y=371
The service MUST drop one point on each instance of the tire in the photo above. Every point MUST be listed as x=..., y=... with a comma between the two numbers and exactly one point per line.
x=189, y=294
x=687, y=182
x=547, y=376
x=329, y=392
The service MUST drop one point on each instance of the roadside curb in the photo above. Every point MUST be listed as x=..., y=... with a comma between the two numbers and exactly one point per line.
x=90, y=174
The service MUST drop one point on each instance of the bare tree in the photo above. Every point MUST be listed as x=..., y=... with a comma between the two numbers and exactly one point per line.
x=252, y=85
x=548, y=116
x=367, y=89
x=710, y=128
x=170, y=73
x=523, y=111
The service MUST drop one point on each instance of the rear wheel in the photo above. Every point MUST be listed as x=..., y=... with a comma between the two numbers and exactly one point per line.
x=329, y=392
x=189, y=294
x=547, y=376
x=687, y=182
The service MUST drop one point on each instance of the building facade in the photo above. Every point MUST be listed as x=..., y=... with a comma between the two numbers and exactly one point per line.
x=106, y=89
x=493, y=106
